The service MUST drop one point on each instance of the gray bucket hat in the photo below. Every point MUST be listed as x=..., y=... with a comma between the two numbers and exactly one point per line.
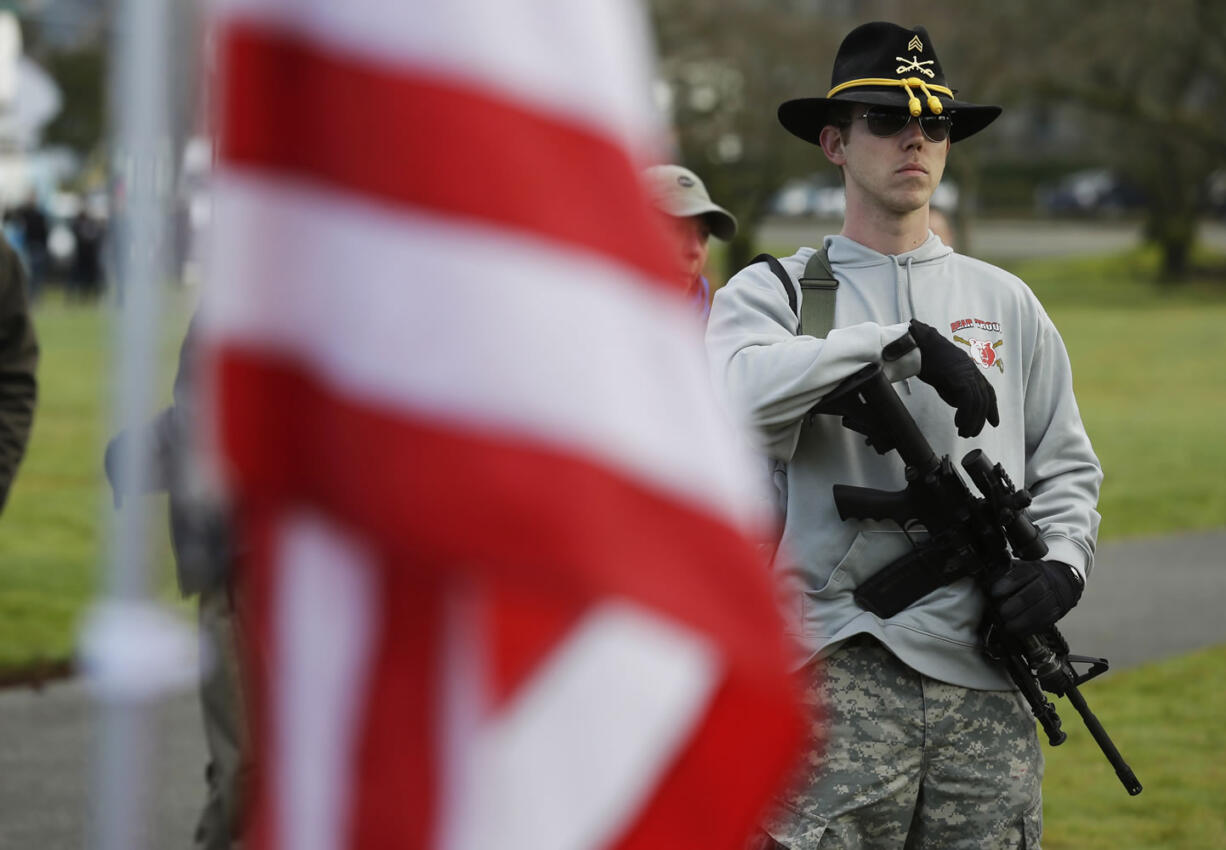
x=678, y=192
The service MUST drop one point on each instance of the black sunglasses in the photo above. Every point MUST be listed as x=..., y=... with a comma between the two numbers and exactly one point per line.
x=886, y=122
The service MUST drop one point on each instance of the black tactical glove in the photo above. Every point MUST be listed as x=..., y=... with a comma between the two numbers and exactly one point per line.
x=1032, y=595
x=950, y=371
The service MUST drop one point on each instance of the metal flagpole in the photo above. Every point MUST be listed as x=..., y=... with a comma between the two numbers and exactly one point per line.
x=132, y=651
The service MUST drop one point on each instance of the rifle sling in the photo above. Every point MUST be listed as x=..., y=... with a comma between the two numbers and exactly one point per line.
x=813, y=302
x=819, y=288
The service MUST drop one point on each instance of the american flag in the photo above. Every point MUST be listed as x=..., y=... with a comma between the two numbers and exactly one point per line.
x=499, y=570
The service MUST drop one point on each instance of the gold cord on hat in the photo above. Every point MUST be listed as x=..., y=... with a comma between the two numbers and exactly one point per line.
x=907, y=84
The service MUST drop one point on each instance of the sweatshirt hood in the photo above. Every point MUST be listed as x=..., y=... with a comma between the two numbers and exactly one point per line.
x=888, y=278
x=848, y=252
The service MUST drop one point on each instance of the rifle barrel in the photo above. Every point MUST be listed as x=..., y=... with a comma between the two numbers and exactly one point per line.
x=1122, y=770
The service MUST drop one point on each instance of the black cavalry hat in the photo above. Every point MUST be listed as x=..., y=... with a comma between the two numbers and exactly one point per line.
x=885, y=64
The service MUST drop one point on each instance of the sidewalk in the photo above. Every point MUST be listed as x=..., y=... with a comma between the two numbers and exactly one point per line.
x=1151, y=599
x=47, y=755
x=1147, y=600
x=1001, y=240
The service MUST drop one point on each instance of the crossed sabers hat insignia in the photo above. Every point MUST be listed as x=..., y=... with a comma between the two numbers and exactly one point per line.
x=915, y=65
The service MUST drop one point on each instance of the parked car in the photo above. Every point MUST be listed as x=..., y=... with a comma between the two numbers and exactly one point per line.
x=1092, y=192
x=808, y=196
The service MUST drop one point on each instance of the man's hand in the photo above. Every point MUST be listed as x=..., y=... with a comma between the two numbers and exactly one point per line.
x=1032, y=595
x=957, y=380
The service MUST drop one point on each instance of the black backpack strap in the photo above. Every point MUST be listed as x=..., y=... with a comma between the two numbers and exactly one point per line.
x=819, y=288
x=786, y=279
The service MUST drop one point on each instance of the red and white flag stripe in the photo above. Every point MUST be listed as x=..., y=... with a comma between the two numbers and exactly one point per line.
x=496, y=518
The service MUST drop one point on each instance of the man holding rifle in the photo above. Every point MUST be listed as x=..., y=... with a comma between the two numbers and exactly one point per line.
x=920, y=739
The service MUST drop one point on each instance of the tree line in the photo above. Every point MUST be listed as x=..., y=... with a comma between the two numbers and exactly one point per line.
x=1135, y=86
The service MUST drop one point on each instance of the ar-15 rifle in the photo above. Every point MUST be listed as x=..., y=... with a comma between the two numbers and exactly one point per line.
x=968, y=536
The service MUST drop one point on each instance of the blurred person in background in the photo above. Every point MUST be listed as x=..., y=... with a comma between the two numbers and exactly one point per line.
x=940, y=225
x=693, y=218
x=202, y=544
x=88, y=231
x=928, y=743
x=18, y=367
x=35, y=232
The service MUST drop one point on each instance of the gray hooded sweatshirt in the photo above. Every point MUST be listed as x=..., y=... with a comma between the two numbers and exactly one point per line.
x=773, y=378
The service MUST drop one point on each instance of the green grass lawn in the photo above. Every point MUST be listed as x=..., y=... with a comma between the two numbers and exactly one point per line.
x=1147, y=372
x=1145, y=359
x=49, y=532
x=53, y=530
x=1166, y=719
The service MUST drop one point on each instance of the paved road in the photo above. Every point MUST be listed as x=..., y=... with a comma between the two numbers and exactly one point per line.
x=1148, y=600
x=47, y=752
x=1151, y=599
x=1006, y=239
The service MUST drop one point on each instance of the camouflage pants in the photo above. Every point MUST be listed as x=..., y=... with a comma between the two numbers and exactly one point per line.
x=225, y=732
x=910, y=762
